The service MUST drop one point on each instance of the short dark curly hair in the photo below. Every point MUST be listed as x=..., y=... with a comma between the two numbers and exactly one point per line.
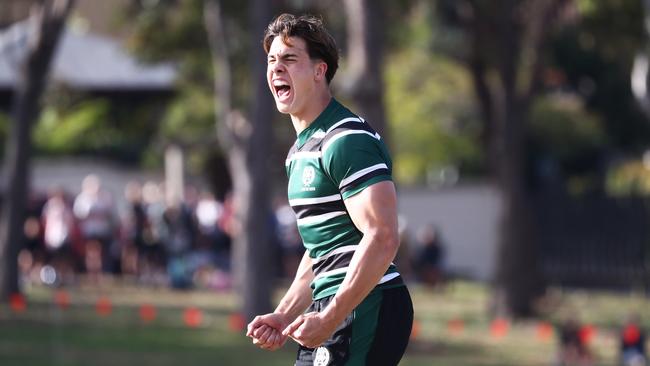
x=320, y=44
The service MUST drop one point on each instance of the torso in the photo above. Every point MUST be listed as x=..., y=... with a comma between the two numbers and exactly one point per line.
x=337, y=156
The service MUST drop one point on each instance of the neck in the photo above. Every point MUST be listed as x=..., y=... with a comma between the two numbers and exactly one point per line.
x=302, y=120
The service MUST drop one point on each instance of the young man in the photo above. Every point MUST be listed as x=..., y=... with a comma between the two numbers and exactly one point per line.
x=347, y=304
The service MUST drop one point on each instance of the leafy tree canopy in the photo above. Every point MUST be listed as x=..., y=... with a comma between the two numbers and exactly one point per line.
x=430, y=103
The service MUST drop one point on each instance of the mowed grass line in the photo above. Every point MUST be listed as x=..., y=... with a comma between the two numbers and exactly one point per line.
x=47, y=335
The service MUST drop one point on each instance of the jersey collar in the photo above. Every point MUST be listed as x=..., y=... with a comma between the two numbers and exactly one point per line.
x=321, y=121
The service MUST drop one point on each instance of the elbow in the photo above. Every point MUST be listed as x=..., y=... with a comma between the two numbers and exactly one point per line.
x=388, y=241
x=392, y=241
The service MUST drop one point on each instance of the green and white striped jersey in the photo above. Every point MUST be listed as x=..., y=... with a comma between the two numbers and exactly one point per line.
x=336, y=157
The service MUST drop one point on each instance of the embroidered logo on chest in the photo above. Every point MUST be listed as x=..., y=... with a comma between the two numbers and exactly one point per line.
x=308, y=176
x=322, y=357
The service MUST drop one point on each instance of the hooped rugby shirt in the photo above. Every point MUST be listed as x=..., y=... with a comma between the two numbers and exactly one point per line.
x=336, y=157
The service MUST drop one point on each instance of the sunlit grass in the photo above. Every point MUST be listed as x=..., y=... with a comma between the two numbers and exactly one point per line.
x=45, y=334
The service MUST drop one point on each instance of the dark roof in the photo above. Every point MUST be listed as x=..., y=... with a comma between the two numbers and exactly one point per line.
x=85, y=61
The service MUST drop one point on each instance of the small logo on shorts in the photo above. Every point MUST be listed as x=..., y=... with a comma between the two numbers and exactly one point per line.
x=322, y=357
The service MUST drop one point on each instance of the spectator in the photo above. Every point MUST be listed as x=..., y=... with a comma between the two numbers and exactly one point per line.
x=134, y=228
x=93, y=208
x=573, y=348
x=632, y=347
x=178, y=243
x=207, y=212
x=153, y=263
x=58, y=236
x=428, y=256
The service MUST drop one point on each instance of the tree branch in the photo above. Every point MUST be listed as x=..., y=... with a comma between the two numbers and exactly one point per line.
x=214, y=26
x=478, y=66
x=538, y=38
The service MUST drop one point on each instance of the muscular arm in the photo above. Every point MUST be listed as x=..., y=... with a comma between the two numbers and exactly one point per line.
x=374, y=212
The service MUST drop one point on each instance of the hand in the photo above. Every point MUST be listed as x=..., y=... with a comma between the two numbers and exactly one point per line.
x=310, y=330
x=265, y=330
x=268, y=338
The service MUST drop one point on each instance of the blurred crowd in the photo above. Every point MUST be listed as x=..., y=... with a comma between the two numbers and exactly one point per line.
x=154, y=239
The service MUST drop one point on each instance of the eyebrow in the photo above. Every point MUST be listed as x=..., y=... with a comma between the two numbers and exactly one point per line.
x=284, y=56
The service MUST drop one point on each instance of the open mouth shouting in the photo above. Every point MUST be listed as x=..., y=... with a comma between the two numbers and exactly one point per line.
x=282, y=90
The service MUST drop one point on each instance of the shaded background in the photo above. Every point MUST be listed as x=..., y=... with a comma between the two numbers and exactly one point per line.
x=519, y=132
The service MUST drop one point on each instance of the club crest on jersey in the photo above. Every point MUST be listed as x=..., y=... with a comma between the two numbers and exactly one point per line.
x=308, y=175
x=322, y=357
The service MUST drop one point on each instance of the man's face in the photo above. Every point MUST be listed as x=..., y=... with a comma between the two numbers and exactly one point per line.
x=291, y=74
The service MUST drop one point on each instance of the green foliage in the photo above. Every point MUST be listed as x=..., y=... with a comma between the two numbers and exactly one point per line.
x=566, y=142
x=85, y=127
x=591, y=53
x=4, y=125
x=76, y=124
x=613, y=28
x=189, y=117
x=174, y=31
x=587, y=7
x=183, y=42
x=430, y=106
x=595, y=57
x=564, y=128
x=629, y=178
x=416, y=28
x=168, y=30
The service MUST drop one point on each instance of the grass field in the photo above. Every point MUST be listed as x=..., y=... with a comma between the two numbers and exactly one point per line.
x=46, y=334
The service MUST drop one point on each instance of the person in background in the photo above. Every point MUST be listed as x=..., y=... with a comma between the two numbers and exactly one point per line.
x=93, y=207
x=573, y=349
x=134, y=226
x=632, y=343
x=180, y=228
x=429, y=256
x=58, y=236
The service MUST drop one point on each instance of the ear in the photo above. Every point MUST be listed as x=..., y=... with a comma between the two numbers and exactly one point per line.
x=319, y=71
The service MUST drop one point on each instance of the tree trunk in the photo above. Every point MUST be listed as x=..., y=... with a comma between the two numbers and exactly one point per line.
x=518, y=274
x=506, y=40
x=364, y=78
x=47, y=21
x=518, y=278
x=247, y=142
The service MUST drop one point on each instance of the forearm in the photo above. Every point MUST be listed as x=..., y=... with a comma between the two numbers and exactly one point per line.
x=298, y=296
x=368, y=265
x=373, y=212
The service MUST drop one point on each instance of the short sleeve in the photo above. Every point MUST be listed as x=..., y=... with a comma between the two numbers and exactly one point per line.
x=355, y=160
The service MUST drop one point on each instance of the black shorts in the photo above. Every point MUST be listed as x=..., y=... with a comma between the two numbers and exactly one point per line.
x=375, y=334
